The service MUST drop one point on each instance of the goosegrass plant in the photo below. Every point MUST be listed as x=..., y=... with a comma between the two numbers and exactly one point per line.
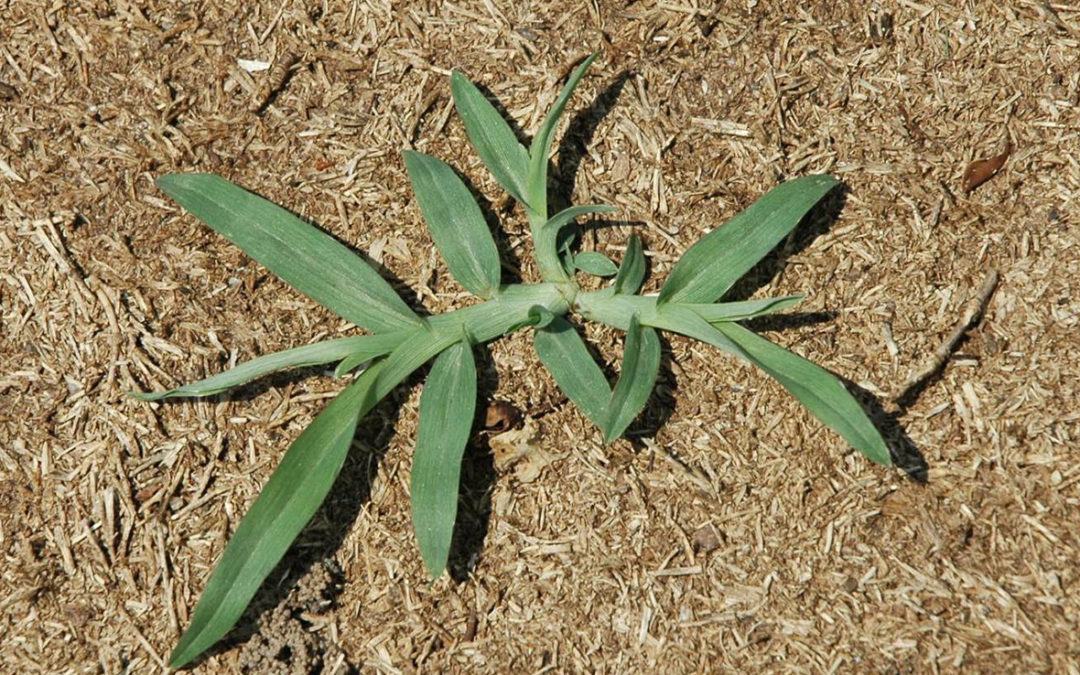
x=400, y=341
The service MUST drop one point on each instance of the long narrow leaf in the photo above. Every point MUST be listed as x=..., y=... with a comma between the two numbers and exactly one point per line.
x=632, y=271
x=457, y=225
x=541, y=143
x=308, y=355
x=291, y=496
x=447, y=406
x=492, y=137
x=563, y=353
x=816, y=388
x=744, y=309
x=306, y=258
x=712, y=265
x=641, y=363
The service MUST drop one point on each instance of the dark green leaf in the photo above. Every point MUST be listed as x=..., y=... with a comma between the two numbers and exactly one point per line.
x=641, y=363
x=290, y=498
x=447, y=406
x=541, y=144
x=566, y=357
x=456, y=222
x=816, y=388
x=492, y=137
x=632, y=271
x=712, y=265
x=306, y=258
x=595, y=263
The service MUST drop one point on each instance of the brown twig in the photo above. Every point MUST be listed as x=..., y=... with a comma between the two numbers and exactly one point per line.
x=975, y=310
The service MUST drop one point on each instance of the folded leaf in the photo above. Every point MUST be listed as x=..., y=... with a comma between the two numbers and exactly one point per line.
x=457, y=225
x=641, y=364
x=712, y=265
x=492, y=137
x=291, y=496
x=632, y=271
x=541, y=143
x=595, y=263
x=817, y=389
x=564, y=354
x=309, y=355
x=447, y=406
x=306, y=258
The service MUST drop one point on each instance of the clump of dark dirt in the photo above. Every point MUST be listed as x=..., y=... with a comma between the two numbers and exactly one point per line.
x=291, y=639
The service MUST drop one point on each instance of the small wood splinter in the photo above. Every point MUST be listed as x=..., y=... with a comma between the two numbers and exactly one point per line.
x=975, y=310
x=982, y=170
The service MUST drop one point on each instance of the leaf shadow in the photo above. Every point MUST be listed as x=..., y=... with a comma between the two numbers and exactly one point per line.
x=324, y=534
x=906, y=455
x=818, y=221
x=576, y=139
x=478, y=478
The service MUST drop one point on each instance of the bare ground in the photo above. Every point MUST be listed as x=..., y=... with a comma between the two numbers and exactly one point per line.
x=733, y=533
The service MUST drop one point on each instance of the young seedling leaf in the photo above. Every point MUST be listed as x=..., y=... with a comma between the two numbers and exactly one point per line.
x=541, y=143
x=816, y=388
x=309, y=355
x=744, y=309
x=557, y=235
x=641, y=364
x=595, y=263
x=712, y=265
x=306, y=258
x=492, y=137
x=447, y=406
x=632, y=271
x=564, y=354
x=457, y=225
x=284, y=506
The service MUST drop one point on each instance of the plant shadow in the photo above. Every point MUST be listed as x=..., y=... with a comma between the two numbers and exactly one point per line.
x=905, y=454
x=323, y=535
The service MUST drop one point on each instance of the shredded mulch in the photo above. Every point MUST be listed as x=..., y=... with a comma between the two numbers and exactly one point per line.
x=730, y=532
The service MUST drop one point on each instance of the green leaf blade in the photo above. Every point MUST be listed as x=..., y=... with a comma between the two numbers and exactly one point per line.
x=631, y=273
x=641, y=364
x=564, y=354
x=298, y=357
x=447, y=406
x=541, y=143
x=714, y=263
x=457, y=225
x=289, y=500
x=744, y=309
x=817, y=389
x=494, y=140
x=303, y=256
x=595, y=263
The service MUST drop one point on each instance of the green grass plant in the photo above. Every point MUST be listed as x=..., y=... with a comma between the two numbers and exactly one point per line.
x=399, y=341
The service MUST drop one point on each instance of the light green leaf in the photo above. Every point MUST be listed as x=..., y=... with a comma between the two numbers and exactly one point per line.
x=447, y=406
x=744, y=309
x=457, y=225
x=563, y=353
x=308, y=355
x=712, y=265
x=641, y=364
x=595, y=263
x=306, y=258
x=492, y=137
x=555, y=235
x=816, y=388
x=291, y=496
x=541, y=143
x=632, y=271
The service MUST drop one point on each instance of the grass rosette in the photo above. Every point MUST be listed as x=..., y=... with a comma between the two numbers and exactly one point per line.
x=399, y=341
